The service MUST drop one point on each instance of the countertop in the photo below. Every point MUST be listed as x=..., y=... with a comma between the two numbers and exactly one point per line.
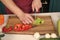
x=55, y=16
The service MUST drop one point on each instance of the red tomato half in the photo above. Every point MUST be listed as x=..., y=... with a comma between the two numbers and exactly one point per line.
x=5, y=29
x=17, y=27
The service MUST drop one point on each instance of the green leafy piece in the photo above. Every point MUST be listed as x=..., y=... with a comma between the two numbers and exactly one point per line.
x=38, y=21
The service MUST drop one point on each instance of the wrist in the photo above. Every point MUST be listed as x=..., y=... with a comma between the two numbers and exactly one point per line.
x=19, y=12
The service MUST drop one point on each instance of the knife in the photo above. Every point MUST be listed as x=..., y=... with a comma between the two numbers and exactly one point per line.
x=35, y=16
x=35, y=13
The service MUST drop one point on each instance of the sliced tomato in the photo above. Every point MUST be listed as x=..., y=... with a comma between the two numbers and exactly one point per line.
x=5, y=29
x=17, y=27
x=22, y=27
x=10, y=28
x=26, y=27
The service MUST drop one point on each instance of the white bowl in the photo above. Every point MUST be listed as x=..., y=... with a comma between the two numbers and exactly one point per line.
x=5, y=21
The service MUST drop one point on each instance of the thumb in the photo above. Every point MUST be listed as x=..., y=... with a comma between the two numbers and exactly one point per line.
x=36, y=9
x=33, y=8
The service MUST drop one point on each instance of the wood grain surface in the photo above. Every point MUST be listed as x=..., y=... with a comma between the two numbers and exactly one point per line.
x=46, y=27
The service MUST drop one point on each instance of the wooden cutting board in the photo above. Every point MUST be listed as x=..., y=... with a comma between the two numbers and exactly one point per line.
x=46, y=27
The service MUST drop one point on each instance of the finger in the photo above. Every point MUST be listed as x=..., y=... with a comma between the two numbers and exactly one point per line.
x=37, y=9
x=26, y=20
x=30, y=17
x=29, y=20
x=40, y=5
x=22, y=20
x=33, y=8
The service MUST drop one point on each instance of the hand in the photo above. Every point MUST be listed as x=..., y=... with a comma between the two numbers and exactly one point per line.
x=25, y=18
x=36, y=4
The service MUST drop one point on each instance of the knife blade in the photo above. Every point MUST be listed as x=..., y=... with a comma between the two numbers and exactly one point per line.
x=35, y=13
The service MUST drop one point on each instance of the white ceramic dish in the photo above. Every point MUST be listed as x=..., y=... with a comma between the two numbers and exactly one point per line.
x=5, y=21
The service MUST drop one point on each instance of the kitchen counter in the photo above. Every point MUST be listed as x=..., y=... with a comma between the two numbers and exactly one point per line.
x=55, y=17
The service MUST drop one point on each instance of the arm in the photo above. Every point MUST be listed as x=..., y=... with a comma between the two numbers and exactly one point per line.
x=11, y=6
x=25, y=18
x=36, y=4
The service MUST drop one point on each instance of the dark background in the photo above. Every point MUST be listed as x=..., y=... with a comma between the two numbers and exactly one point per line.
x=45, y=6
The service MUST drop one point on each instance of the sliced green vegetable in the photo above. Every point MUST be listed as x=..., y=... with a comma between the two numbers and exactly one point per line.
x=38, y=21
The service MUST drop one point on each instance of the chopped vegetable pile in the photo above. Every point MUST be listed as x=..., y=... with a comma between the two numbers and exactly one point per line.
x=17, y=27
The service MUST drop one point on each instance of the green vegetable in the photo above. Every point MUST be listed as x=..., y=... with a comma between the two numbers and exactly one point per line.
x=49, y=39
x=58, y=27
x=38, y=21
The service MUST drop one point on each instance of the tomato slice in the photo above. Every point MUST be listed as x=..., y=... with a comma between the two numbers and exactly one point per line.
x=5, y=29
x=26, y=27
x=22, y=27
x=17, y=27
x=10, y=28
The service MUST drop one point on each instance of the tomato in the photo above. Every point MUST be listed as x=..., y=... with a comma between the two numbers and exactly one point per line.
x=17, y=27
x=26, y=27
x=10, y=28
x=22, y=27
x=5, y=29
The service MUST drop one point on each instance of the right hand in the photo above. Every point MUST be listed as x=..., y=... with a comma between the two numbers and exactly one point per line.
x=25, y=18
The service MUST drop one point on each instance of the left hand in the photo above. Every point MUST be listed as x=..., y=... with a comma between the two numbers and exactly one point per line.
x=36, y=4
